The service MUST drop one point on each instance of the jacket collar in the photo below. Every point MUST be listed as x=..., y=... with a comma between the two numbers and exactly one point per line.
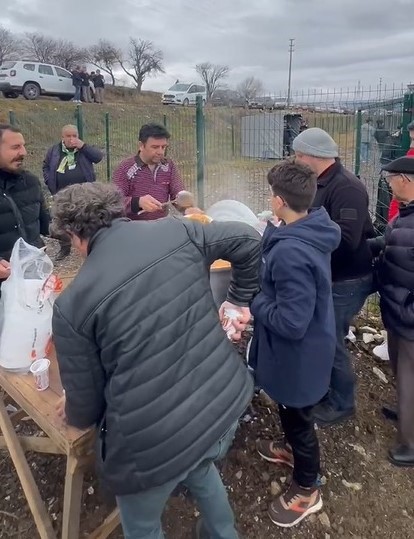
x=98, y=236
x=329, y=173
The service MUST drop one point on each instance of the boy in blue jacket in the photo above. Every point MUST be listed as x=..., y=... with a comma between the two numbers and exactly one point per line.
x=294, y=338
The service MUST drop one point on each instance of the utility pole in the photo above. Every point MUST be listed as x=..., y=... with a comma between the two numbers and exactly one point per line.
x=291, y=49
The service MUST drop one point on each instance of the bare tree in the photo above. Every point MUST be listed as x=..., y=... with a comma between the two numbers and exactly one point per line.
x=9, y=45
x=105, y=56
x=144, y=60
x=40, y=47
x=68, y=55
x=212, y=76
x=250, y=88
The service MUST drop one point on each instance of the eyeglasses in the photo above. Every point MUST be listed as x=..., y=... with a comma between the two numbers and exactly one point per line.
x=389, y=177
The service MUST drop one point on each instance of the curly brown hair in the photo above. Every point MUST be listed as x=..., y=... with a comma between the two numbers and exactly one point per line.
x=83, y=209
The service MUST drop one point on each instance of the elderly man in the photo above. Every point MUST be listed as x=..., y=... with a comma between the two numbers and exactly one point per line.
x=148, y=180
x=23, y=213
x=346, y=200
x=395, y=271
x=143, y=356
x=68, y=162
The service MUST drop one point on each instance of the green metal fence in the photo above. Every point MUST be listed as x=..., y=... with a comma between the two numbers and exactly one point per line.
x=213, y=145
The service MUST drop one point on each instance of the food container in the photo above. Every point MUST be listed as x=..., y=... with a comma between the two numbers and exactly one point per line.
x=220, y=276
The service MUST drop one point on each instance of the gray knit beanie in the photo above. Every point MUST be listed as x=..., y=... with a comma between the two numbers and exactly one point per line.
x=317, y=143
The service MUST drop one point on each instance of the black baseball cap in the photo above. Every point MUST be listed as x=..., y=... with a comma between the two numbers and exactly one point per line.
x=402, y=165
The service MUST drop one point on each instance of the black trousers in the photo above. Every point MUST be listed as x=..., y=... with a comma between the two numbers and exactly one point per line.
x=299, y=429
x=401, y=354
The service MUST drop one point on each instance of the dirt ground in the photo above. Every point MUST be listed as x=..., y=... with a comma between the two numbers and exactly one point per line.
x=363, y=495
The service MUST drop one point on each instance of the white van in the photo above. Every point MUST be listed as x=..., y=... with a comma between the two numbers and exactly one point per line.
x=33, y=79
x=184, y=94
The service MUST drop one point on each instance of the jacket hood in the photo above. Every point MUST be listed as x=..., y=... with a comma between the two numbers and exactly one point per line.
x=316, y=229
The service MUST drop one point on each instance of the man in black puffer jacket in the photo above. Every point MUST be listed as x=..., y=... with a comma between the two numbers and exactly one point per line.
x=395, y=271
x=23, y=213
x=142, y=353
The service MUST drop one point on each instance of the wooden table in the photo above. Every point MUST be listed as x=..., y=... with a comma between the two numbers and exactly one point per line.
x=61, y=439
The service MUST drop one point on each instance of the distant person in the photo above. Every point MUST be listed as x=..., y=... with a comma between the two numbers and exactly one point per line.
x=381, y=135
x=77, y=83
x=367, y=140
x=86, y=96
x=68, y=162
x=143, y=357
x=294, y=339
x=92, y=93
x=149, y=179
x=23, y=212
x=99, y=85
x=345, y=199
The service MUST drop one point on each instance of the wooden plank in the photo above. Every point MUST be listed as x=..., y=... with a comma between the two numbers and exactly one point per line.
x=41, y=406
x=72, y=498
x=110, y=524
x=35, y=443
x=27, y=481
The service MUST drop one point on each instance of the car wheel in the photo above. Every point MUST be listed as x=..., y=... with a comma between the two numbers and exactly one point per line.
x=186, y=102
x=65, y=97
x=31, y=91
x=10, y=95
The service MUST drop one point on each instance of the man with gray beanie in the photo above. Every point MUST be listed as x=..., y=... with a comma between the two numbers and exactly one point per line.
x=346, y=200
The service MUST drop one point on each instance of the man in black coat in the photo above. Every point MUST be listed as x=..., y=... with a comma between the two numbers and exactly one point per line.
x=395, y=270
x=143, y=356
x=23, y=213
x=345, y=199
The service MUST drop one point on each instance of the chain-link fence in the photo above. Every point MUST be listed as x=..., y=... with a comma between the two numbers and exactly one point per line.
x=226, y=152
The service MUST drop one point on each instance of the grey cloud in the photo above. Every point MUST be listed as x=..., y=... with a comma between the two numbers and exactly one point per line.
x=336, y=42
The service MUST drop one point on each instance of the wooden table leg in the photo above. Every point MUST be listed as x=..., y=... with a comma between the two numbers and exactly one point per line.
x=110, y=524
x=37, y=507
x=72, y=498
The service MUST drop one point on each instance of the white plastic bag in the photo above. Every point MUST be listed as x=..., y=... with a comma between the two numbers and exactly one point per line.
x=27, y=298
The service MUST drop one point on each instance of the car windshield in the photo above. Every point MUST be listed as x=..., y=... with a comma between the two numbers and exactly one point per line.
x=179, y=88
x=7, y=65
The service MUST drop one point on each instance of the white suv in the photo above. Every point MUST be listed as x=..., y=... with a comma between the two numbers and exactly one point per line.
x=184, y=94
x=33, y=79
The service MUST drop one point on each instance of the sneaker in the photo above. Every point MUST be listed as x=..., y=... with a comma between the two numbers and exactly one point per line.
x=381, y=351
x=295, y=505
x=279, y=454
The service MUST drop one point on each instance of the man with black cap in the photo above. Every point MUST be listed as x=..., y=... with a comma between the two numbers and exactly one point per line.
x=395, y=272
x=346, y=200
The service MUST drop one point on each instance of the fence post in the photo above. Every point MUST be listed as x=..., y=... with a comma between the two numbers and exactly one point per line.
x=233, y=140
x=108, y=148
x=79, y=120
x=12, y=117
x=164, y=120
x=200, y=140
x=407, y=118
x=358, y=143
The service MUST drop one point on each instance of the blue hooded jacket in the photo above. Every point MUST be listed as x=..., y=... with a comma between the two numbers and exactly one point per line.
x=294, y=338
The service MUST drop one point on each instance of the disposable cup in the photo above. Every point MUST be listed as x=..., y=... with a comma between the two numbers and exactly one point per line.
x=40, y=371
x=229, y=316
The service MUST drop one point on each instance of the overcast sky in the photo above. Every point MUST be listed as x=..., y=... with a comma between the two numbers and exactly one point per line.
x=338, y=42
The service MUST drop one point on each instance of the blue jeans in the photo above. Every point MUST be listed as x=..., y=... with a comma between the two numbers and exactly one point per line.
x=141, y=512
x=77, y=96
x=349, y=298
x=365, y=151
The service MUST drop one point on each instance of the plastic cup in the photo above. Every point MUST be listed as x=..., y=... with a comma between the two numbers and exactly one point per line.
x=229, y=316
x=40, y=371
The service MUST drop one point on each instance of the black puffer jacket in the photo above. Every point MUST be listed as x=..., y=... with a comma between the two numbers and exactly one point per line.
x=141, y=350
x=23, y=213
x=396, y=274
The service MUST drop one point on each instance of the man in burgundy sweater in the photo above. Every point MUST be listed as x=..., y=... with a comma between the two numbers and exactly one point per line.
x=148, y=180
